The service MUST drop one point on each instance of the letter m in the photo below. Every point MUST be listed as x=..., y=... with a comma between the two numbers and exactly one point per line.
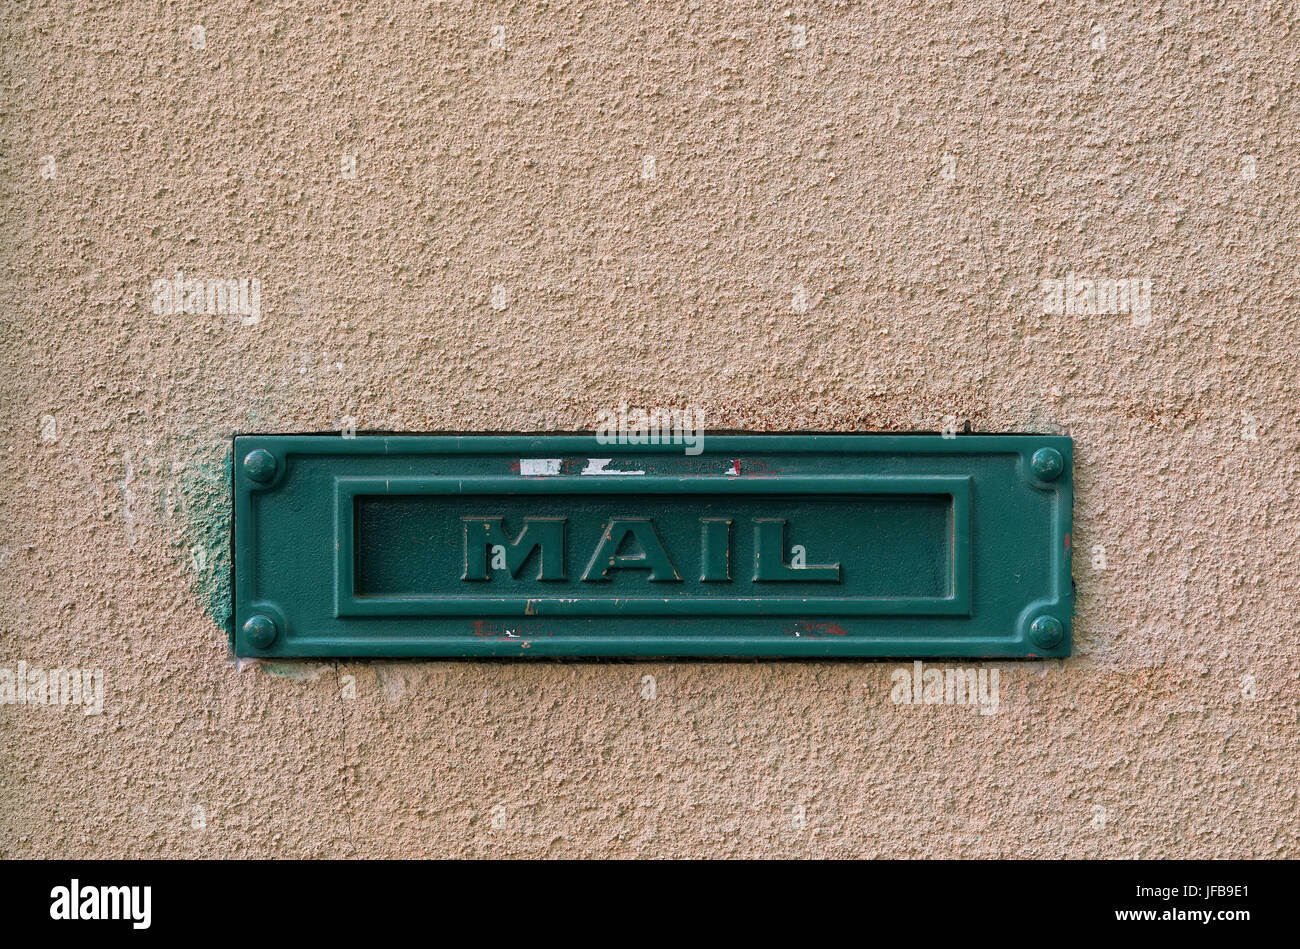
x=119, y=899
x=486, y=543
x=223, y=297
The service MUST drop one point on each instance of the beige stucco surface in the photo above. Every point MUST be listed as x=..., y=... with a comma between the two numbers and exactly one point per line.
x=845, y=233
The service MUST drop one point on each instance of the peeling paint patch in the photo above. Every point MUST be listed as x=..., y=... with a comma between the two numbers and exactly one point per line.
x=537, y=467
x=600, y=466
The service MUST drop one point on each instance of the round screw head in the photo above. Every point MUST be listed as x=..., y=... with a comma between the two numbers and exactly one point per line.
x=1047, y=464
x=259, y=464
x=260, y=630
x=1046, y=632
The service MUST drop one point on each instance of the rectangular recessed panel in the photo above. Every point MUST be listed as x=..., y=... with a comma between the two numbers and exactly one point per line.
x=902, y=547
x=781, y=545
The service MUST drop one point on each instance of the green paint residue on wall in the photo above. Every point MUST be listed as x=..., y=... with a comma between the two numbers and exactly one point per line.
x=205, y=493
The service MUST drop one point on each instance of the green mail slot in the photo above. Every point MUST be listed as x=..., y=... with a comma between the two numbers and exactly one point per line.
x=757, y=545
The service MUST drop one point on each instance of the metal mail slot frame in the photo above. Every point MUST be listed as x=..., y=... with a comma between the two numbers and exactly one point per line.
x=999, y=614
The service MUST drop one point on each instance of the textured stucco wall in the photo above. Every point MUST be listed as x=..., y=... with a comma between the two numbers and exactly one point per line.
x=846, y=225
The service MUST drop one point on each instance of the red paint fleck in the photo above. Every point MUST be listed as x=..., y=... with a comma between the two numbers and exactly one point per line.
x=487, y=630
x=818, y=630
x=1067, y=540
x=736, y=465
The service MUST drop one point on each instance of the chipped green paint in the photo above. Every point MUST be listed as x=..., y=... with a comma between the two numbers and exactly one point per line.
x=205, y=493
